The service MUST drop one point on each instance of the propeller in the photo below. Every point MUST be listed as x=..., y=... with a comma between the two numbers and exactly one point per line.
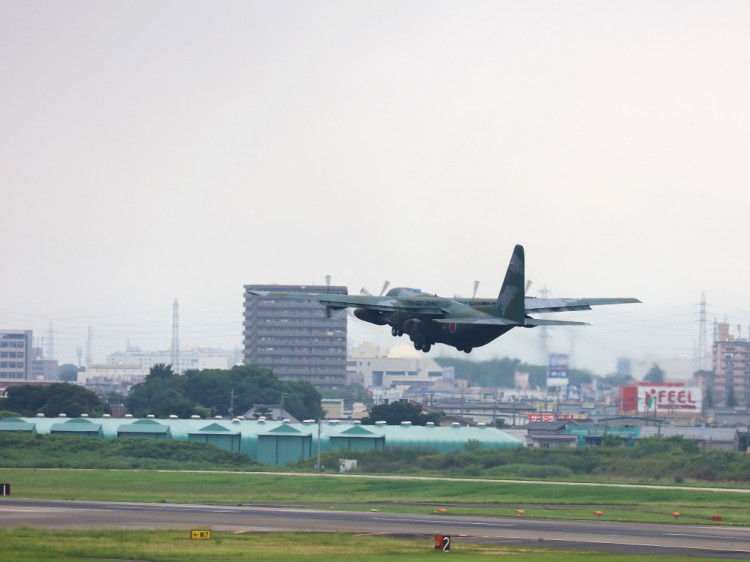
x=364, y=291
x=528, y=284
x=386, y=284
x=476, y=287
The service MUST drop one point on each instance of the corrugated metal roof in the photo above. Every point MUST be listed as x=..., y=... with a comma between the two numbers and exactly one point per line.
x=443, y=439
x=143, y=426
x=16, y=424
x=76, y=425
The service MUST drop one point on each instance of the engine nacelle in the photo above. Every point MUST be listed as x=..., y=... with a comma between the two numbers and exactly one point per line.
x=371, y=316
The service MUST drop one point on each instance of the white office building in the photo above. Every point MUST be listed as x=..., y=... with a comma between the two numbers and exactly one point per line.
x=401, y=366
x=196, y=359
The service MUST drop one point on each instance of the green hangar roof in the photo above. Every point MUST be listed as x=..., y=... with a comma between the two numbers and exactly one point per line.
x=272, y=442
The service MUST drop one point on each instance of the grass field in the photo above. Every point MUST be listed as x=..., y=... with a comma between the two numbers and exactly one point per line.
x=386, y=494
x=27, y=545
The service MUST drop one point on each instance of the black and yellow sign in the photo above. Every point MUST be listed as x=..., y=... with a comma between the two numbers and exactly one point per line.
x=200, y=534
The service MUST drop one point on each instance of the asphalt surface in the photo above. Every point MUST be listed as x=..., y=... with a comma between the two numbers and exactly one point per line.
x=688, y=540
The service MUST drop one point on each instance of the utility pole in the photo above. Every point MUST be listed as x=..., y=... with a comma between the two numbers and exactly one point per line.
x=317, y=464
x=89, y=340
x=702, y=347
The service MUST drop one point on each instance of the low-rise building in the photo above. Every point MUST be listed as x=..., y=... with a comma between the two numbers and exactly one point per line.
x=401, y=366
x=190, y=358
x=112, y=378
x=15, y=355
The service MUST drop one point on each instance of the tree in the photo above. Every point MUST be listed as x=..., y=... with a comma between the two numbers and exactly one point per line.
x=73, y=400
x=238, y=388
x=655, y=374
x=27, y=399
x=220, y=392
x=163, y=393
x=68, y=372
x=302, y=400
x=53, y=400
x=400, y=411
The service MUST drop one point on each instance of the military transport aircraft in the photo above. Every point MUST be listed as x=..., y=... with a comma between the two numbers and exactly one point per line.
x=464, y=323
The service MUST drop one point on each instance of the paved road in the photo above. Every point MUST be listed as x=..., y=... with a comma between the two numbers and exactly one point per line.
x=690, y=540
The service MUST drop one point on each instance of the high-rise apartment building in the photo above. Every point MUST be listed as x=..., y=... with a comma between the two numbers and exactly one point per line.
x=296, y=338
x=15, y=355
x=731, y=369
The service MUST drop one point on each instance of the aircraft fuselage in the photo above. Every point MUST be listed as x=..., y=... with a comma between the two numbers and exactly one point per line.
x=424, y=332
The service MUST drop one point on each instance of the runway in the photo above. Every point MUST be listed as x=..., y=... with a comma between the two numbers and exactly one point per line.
x=690, y=540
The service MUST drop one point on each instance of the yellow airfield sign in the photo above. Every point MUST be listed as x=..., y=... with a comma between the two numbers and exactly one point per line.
x=200, y=534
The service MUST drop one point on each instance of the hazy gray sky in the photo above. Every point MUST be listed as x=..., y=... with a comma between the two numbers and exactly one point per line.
x=159, y=150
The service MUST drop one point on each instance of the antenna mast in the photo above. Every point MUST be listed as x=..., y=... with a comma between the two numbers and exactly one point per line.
x=701, y=358
x=176, y=337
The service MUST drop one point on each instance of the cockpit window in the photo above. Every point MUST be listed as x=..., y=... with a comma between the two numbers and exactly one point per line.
x=404, y=292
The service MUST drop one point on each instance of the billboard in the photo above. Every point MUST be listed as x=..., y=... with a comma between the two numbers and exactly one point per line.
x=574, y=392
x=557, y=370
x=669, y=399
x=541, y=417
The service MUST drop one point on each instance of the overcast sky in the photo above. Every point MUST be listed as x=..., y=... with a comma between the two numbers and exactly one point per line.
x=159, y=150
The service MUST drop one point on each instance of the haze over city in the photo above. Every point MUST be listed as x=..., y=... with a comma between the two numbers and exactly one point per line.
x=180, y=150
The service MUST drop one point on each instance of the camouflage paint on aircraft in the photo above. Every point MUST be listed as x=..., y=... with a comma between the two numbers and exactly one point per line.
x=463, y=323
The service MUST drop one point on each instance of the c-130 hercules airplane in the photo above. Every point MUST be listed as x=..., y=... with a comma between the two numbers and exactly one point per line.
x=463, y=323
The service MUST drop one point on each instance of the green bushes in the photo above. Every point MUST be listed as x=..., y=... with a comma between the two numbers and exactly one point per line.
x=671, y=459
x=530, y=471
x=62, y=451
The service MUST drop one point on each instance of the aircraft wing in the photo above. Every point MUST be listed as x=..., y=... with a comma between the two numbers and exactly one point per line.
x=531, y=322
x=536, y=305
x=478, y=321
x=418, y=306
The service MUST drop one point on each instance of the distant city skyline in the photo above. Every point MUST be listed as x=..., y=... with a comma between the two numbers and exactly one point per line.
x=594, y=347
x=150, y=153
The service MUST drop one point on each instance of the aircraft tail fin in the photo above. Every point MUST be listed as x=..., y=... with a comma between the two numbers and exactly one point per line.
x=510, y=302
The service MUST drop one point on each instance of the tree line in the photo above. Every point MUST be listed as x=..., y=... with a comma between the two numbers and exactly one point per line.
x=206, y=393
x=220, y=392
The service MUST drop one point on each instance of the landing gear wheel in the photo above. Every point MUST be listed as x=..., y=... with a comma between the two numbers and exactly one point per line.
x=467, y=350
x=417, y=345
x=426, y=347
x=394, y=332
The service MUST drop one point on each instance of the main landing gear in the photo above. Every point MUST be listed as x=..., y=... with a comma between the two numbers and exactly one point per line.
x=419, y=346
x=396, y=332
x=466, y=350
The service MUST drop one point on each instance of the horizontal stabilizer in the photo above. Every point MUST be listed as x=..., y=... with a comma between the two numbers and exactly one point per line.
x=537, y=305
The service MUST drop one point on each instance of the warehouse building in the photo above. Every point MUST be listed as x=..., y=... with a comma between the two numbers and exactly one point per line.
x=271, y=442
